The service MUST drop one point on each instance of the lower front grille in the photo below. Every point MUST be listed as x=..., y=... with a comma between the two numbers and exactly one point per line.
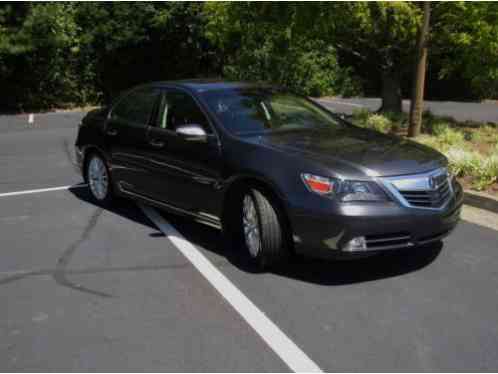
x=384, y=241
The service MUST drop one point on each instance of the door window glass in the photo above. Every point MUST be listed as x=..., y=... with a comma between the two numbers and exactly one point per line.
x=136, y=107
x=179, y=108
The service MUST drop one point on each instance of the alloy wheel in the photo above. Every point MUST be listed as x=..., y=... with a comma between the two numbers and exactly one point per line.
x=250, y=222
x=98, y=178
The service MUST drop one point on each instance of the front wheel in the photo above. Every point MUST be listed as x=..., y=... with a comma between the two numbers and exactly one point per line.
x=263, y=231
x=99, y=180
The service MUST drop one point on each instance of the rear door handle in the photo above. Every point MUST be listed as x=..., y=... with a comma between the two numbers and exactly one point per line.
x=156, y=143
x=112, y=132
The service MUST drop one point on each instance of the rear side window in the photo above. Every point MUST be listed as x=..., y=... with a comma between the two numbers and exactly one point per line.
x=136, y=107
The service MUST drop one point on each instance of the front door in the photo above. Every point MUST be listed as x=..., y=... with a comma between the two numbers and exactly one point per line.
x=126, y=137
x=185, y=171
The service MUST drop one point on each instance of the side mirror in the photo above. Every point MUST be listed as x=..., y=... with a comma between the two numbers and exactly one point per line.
x=192, y=132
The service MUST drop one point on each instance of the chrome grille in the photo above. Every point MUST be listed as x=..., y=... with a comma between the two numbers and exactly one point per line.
x=429, y=199
x=429, y=190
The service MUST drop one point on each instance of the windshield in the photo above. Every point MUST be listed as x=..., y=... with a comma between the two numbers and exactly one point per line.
x=250, y=111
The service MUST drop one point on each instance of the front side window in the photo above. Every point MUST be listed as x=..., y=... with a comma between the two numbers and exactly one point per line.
x=136, y=107
x=259, y=110
x=179, y=108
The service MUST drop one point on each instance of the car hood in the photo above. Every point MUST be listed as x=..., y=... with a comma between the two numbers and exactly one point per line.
x=367, y=151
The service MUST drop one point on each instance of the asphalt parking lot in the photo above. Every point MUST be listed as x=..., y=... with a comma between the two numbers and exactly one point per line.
x=84, y=288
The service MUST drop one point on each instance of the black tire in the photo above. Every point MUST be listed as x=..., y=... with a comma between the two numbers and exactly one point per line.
x=273, y=244
x=108, y=199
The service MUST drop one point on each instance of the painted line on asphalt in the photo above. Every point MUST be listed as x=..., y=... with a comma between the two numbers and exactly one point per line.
x=276, y=339
x=480, y=217
x=26, y=192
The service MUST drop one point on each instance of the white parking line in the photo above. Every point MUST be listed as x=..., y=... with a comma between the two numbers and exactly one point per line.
x=280, y=343
x=26, y=192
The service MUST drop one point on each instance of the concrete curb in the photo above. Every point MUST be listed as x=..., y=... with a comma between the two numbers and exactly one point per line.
x=481, y=200
x=481, y=209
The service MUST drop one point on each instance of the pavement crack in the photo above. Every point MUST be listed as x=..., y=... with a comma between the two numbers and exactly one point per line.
x=22, y=275
x=60, y=273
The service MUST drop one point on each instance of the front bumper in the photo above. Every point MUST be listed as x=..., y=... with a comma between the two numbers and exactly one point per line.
x=384, y=227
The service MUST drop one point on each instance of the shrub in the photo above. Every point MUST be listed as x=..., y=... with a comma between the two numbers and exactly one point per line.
x=360, y=116
x=428, y=140
x=483, y=170
x=438, y=127
x=488, y=173
x=448, y=136
x=462, y=162
x=379, y=122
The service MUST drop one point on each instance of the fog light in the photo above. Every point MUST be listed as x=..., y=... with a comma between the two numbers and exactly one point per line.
x=356, y=244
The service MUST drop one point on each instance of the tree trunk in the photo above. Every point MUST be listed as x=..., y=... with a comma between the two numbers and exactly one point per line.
x=391, y=92
x=417, y=99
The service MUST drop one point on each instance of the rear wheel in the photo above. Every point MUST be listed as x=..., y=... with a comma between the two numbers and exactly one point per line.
x=262, y=230
x=98, y=178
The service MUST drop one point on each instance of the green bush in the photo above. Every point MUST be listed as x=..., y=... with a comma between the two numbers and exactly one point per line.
x=448, y=136
x=387, y=122
x=379, y=122
x=360, y=117
x=429, y=140
x=465, y=163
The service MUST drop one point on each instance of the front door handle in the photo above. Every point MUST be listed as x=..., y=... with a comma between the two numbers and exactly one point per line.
x=156, y=143
x=112, y=132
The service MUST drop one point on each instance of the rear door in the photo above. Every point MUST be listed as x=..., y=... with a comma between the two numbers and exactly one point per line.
x=186, y=171
x=127, y=140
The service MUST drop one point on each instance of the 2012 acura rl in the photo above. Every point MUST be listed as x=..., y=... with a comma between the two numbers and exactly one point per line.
x=278, y=172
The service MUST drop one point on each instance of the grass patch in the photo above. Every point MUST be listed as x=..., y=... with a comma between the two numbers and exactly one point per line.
x=471, y=148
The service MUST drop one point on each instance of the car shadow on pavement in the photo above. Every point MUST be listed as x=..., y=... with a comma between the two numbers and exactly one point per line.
x=323, y=272
x=122, y=207
x=318, y=271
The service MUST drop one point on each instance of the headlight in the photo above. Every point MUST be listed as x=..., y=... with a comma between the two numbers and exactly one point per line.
x=344, y=190
x=361, y=191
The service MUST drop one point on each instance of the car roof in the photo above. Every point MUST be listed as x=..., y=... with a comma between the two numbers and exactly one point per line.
x=202, y=85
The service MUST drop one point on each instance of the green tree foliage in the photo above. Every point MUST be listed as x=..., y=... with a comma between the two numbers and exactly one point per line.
x=260, y=43
x=377, y=38
x=54, y=54
x=139, y=42
x=39, y=54
x=464, y=43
